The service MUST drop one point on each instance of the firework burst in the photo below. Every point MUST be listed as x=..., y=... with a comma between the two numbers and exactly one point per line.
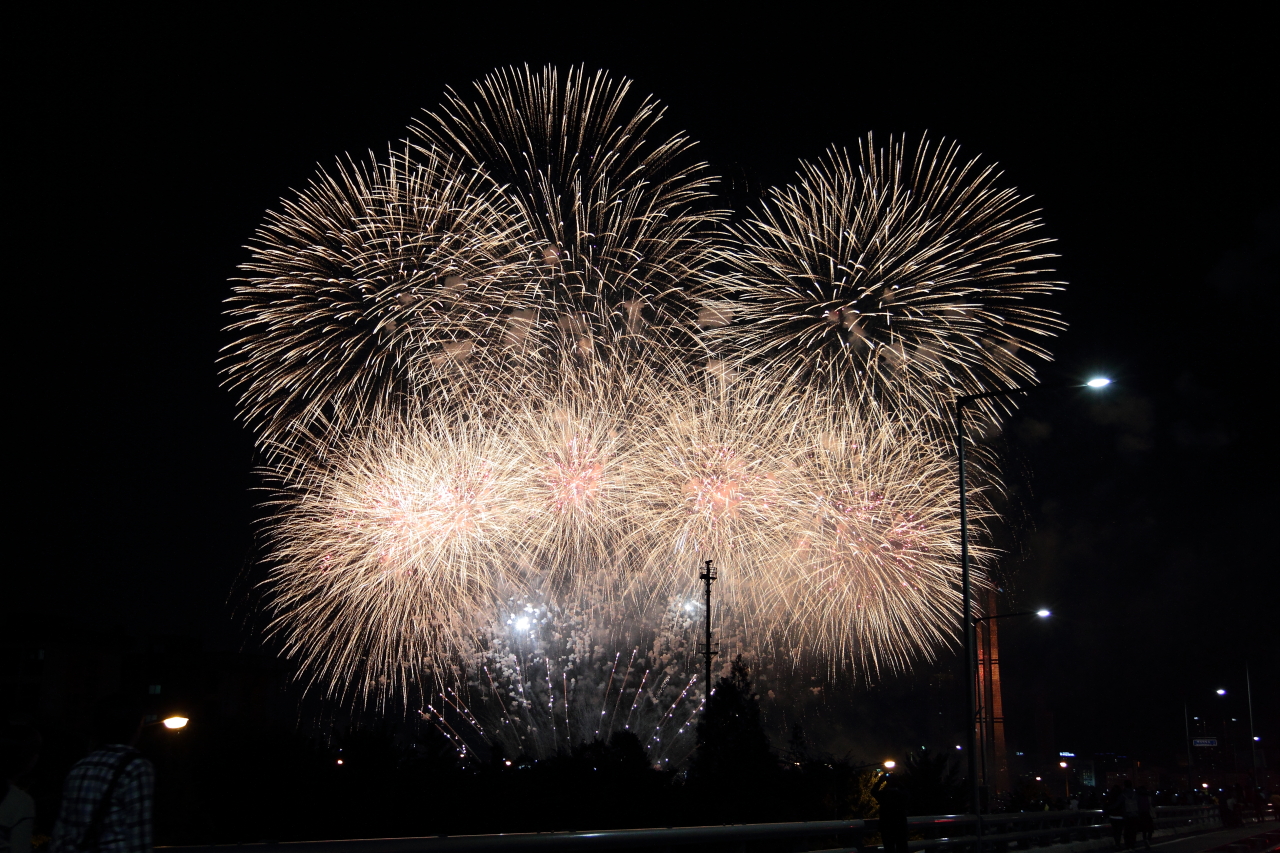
x=389, y=560
x=870, y=577
x=902, y=276
x=624, y=230
x=377, y=280
x=576, y=441
x=719, y=481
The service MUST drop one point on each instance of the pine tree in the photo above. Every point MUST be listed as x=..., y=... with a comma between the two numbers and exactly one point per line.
x=732, y=762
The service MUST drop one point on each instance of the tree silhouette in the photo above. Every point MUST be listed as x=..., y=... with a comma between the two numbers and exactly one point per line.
x=932, y=784
x=732, y=765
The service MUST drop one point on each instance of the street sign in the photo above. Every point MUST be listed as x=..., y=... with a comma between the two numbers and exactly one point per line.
x=1204, y=741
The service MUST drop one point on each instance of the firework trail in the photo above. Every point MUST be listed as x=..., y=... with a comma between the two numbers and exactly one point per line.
x=625, y=230
x=544, y=684
x=375, y=282
x=900, y=275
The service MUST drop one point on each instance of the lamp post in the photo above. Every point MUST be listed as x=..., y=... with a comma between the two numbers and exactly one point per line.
x=1042, y=613
x=984, y=713
x=1253, y=737
x=967, y=587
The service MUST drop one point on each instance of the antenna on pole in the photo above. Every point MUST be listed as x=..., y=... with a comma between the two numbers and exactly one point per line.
x=708, y=577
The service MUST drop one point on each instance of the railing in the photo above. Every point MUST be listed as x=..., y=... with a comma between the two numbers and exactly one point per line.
x=1015, y=830
x=953, y=833
x=1187, y=818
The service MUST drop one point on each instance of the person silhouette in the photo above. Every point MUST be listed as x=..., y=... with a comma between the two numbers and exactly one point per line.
x=893, y=813
x=19, y=749
x=107, y=796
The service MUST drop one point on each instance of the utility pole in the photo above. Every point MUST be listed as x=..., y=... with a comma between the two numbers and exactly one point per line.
x=1191, y=764
x=708, y=577
x=1253, y=740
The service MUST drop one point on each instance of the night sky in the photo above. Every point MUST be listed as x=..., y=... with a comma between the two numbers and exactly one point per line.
x=146, y=151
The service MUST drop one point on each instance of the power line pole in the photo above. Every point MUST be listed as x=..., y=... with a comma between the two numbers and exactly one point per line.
x=708, y=577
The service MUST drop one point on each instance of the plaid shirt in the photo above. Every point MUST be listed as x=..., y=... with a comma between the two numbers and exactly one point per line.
x=126, y=826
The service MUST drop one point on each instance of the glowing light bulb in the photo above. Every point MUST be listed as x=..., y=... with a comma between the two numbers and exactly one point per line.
x=1043, y=613
x=890, y=764
x=175, y=722
x=1098, y=382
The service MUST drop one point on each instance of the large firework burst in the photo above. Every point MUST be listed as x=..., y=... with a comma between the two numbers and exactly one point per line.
x=377, y=280
x=902, y=275
x=870, y=576
x=624, y=225
x=388, y=558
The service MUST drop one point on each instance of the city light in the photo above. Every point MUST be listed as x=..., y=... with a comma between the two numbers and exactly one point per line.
x=175, y=722
x=1221, y=692
x=1098, y=382
x=1062, y=764
x=890, y=764
x=1042, y=613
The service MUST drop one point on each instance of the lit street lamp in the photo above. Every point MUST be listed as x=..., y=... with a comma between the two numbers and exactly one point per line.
x=982, y=747
x=970, y=639
x=1042, y=613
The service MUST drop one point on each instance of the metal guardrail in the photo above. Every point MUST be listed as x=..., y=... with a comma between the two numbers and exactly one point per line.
x=1191, y=818
x=846, y=834
x=952, y=833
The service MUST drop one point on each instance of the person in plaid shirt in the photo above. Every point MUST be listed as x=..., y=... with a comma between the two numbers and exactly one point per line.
x=106, y=800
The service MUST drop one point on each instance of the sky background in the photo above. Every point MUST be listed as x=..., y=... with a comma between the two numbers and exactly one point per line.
x=149, y=150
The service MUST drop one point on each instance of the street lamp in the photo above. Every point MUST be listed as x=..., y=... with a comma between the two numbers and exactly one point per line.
x=1043, y=614
x=175, y=722
x=970, y=640
x=978, y=711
